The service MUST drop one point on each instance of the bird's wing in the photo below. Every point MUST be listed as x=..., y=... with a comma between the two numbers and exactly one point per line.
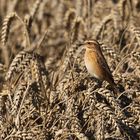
x=102, y=61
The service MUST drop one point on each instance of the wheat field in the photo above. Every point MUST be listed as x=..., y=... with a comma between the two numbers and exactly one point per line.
x=46, y=92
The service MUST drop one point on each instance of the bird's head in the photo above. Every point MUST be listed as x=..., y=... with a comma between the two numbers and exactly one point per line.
x=90, y=44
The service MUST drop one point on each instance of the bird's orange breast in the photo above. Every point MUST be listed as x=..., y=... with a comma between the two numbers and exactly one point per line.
x=92, y=64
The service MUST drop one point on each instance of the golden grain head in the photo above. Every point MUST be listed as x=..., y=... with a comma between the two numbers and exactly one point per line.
x=45, y=90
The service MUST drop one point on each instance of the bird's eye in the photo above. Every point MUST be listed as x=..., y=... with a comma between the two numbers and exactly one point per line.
x=89, y=43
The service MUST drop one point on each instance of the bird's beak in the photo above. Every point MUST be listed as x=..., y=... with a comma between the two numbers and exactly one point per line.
x=80, y=44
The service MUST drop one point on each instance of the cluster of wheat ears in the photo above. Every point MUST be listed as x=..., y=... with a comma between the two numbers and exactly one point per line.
x=46, y=92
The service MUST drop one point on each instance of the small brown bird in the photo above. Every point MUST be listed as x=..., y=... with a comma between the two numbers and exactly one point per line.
x=96, y=63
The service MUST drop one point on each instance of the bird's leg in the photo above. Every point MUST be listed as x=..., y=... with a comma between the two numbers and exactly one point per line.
x=98, y=83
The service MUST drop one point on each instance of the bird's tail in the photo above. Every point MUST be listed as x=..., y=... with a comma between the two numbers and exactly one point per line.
x=113, y=85
x=115, y=88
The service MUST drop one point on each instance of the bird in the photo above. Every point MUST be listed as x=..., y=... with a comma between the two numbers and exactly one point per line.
x=96, y=63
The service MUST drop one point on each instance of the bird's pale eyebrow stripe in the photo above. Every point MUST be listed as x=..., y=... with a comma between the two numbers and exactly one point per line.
x=91, y=41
